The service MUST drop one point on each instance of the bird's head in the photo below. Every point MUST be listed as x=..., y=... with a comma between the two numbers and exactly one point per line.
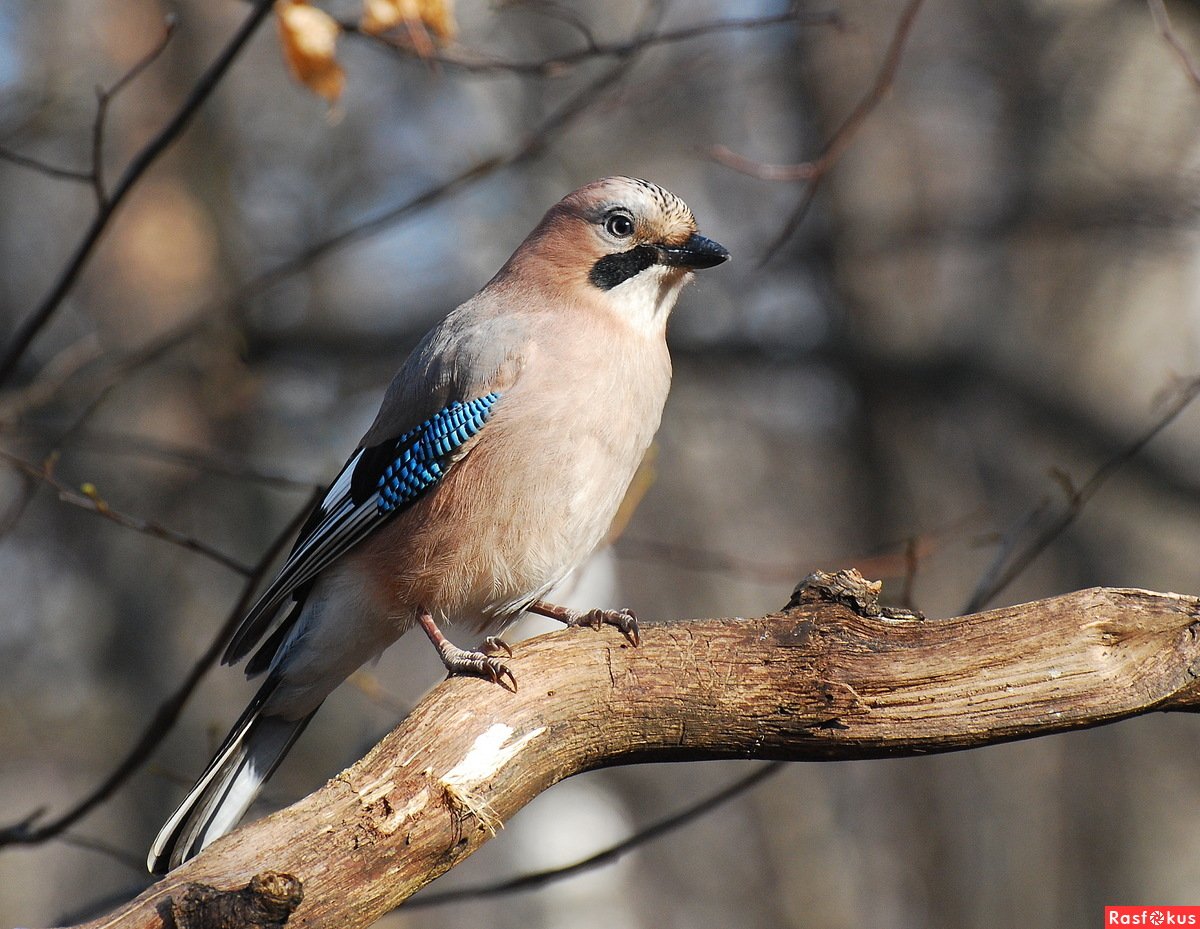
x=626, y=242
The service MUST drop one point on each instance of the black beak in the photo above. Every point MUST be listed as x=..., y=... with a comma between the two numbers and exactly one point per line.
x=696, y=252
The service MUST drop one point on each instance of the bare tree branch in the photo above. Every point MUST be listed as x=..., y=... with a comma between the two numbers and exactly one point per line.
x=814, y=171
x=88, y=498
x=818, y=682
x=1044, y=523
x=104, y=97
x=204, y=461
x=28, y=831
x=50, y=381
x=208, y=81
x=534, y=143
x=58, y=380
x=556, y=122
x=557, y=65
x=42, y=167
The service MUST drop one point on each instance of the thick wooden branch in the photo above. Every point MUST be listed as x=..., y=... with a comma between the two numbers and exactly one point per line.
x=816, y=682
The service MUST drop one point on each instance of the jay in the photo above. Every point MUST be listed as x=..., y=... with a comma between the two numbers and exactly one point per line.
x=496, y=463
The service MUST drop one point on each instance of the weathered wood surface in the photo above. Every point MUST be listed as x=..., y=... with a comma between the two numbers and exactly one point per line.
x=815, y=682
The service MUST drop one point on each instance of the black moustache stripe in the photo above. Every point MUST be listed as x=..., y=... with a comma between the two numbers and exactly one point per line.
x=612, y=270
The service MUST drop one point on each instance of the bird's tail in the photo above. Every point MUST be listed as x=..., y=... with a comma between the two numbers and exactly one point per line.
x=251, y=752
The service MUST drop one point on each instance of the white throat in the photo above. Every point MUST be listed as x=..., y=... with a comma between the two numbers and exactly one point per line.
x=646, y=299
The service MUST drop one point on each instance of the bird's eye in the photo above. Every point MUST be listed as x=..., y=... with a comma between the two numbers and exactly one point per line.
x=619, y=225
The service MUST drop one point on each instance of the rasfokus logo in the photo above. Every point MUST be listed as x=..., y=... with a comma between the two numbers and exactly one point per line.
x=1152, y=916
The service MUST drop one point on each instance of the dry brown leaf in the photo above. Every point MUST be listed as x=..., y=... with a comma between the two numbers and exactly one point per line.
x=435, y=15
x=309, y=38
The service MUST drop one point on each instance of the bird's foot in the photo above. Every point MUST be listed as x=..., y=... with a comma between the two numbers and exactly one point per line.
x=623, y=620
x=460, y=661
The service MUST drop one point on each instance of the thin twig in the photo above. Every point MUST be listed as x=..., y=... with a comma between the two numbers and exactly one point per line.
x=557, y=122
x=170, y=21
x=25, y=832
x=1158, y=10
x=285, y=269
x=556, y=65
x=105, y=97
x=39, y=393
x=607, y=856
x=140, y=446
x=1041, y=525
x=50, y=380
x=118, y=443
x=533, y=144
x=34, y=164
x=537, y=140
x=204, y=87
x=557, y=12
x=17, y=506
x=89, y=499
x=813, y=172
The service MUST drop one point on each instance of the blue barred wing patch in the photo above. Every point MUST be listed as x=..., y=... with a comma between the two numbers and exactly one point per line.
x=374, y=485
x=422, y=455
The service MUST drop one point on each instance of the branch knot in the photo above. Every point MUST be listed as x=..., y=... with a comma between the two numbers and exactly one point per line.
x=849, y=588
x=268, y=901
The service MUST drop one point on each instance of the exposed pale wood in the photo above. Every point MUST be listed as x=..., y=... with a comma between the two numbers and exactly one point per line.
x=816, y=682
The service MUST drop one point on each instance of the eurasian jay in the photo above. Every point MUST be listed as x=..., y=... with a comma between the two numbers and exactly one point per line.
x=494, y=467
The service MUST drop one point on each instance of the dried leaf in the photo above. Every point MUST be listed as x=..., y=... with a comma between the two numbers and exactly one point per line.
x=309, y=38
x=435, y=15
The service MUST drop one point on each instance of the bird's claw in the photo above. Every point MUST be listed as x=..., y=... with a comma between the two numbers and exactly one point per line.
x=478, y=664
x=493, y=644
x=622, y=619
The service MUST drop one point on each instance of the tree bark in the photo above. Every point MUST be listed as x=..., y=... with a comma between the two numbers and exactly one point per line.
x=818, y=681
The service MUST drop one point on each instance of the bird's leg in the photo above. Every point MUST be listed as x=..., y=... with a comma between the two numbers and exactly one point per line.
x=461, y=661
x=622, y=619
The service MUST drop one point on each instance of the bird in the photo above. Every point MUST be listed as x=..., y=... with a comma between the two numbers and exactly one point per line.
x=500, y=454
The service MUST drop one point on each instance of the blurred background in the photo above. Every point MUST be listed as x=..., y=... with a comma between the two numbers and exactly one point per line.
x=991, y=291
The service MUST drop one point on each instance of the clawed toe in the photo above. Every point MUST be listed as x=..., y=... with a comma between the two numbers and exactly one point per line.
x=477, y=664
x=497, y=671
x=623, y=619
x=626, y=622
x=460, y=661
